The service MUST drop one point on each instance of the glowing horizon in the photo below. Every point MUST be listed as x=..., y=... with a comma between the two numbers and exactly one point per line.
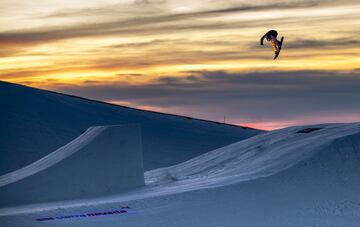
x=68, y=46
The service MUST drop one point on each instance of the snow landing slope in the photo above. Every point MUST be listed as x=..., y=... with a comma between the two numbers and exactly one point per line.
x=264, y=155
x=34, y=123
x=298, y=176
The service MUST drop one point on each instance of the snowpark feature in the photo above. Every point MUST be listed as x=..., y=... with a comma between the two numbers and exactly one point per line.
x=260, y=156
x=102, y=161
x=35, y=122
x=280, y=178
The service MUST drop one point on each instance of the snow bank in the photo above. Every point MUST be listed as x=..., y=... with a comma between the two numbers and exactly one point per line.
x=298, y=176
x=102, y=161
x=36, y=122
x=256, y=157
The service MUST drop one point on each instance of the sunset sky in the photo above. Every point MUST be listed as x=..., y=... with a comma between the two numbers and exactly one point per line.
x=191, y=57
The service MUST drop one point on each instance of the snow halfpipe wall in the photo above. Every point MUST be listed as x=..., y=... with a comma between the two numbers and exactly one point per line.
x=104, y=160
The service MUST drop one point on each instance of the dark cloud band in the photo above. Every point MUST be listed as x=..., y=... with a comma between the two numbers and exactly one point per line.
x=257, y=95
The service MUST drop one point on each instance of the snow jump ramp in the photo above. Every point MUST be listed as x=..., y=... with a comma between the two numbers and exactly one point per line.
x=104, y=160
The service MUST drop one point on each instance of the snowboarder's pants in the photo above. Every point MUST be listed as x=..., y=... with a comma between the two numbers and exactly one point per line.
x=275, y=43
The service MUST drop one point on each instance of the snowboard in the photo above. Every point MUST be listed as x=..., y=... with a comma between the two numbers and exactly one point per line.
x=277, y=53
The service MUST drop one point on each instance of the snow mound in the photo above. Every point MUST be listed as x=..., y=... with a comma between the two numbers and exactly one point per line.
x=259, y=156
x=36, y=122
x=52, y=158
x=298, y=176
x=104, y=160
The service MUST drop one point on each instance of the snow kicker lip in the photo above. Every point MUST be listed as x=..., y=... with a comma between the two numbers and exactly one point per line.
x=52, y=158
x=256, y=157
x=308, y=130
x=105, y=160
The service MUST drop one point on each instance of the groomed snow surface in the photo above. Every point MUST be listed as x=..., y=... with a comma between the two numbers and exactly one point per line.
x=298, y=176
x=95, y=164
x=35, y=122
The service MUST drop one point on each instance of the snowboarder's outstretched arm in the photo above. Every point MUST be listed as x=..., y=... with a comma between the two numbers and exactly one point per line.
x=262, y=39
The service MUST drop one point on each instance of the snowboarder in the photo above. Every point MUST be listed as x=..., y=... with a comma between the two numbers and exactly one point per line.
x=271, y=36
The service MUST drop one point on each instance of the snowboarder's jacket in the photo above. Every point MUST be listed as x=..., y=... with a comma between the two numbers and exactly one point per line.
x=271, y=37
x=268, y=36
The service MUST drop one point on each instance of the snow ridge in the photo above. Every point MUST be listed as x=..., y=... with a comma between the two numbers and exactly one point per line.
x=290, y=157
x=52, y=158
x=256, y=157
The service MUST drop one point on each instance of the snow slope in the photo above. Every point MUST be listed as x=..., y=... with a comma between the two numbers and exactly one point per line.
x=256, y=157
x=52, y=158
x=36, y=122
x=299, y=176
x=105, y=160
